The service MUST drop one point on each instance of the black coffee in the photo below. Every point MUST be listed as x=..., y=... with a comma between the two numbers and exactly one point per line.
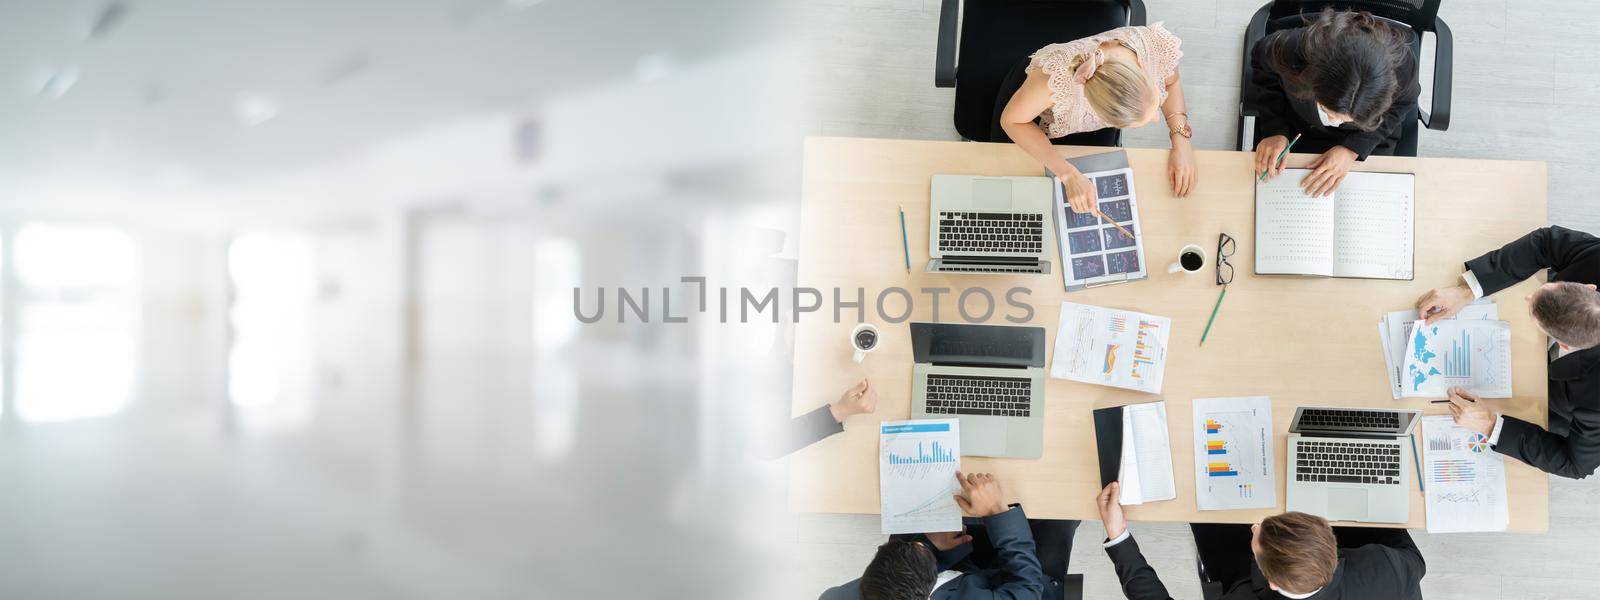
x=866, y=339
x=1191, y=261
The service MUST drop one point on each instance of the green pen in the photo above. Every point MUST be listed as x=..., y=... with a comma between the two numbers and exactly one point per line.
x=1213, y=318
x=1279, y=160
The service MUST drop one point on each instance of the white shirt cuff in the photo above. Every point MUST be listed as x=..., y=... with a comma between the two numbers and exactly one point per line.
x=1472, y=282
x=1494, y=436
x=1125, y=535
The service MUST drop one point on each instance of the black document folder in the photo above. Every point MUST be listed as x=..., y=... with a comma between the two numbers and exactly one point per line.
x=1108, y=442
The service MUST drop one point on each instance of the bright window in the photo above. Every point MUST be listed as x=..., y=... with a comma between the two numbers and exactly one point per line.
x=269, y=363
x=77, y=309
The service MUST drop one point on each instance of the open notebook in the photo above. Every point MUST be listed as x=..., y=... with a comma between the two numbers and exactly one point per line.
x=1366, y=229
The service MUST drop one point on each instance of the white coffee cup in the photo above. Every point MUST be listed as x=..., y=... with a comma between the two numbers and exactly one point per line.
x=1191, y=259
x=864, y=338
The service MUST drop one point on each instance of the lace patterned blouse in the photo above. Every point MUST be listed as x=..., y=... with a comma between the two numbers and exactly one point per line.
x=1069, y=112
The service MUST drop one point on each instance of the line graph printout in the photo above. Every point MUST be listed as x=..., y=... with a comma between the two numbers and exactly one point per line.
x=1474, y=354
x=1233, y=453
x=1112, y=347
x=917, y=462
x=1466, y=481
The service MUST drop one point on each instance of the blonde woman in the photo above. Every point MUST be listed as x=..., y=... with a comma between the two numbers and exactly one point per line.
x=1123, y=78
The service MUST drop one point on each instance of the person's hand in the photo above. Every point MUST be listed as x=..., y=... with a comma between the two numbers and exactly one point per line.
x=1443, y=303
x=980, y=495
x=1267, y=155
x=1471, y=414
x=1328, y=171
x=1110, y=501
x=946, y=541
x=860, y=399
x=1181, y=170
x=1080, y=192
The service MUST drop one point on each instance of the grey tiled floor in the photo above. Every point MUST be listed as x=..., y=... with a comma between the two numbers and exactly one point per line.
x=1526, y=86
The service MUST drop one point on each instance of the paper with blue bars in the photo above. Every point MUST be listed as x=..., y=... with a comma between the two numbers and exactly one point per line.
x=1474, y=354
x=917, y=463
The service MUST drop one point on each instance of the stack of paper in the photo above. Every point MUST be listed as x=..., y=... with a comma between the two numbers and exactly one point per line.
x=1233, y=453
x=1466, y=479
x=917, y=463
x=1105, y=346
x=1395, y=332
x=1146, y=473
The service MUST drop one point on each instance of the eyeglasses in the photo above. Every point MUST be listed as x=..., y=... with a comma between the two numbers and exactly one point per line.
x=1224, y=268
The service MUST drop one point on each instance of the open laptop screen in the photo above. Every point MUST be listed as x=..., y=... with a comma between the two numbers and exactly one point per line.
x=977, y=345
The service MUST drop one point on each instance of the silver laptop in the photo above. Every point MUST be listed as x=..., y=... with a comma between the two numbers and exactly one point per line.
x=989, y=224
x=991, y=377
x=1349, y=464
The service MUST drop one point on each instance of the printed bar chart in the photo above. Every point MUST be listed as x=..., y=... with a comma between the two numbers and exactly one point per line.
x=1457, y=362
x=938, y=455
x=1220, y=469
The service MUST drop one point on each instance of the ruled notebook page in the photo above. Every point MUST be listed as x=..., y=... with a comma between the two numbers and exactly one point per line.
x=1294, y=232
x=1374, y=228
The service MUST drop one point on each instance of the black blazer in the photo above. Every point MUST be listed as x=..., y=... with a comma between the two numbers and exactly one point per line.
x=1285, y=115
x=1574, y=378
x=1016, y=575
x=1392, y=569
x=803, y=431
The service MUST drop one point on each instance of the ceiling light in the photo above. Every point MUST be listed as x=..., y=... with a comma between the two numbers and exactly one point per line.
x=43, y=80
x=252, y=108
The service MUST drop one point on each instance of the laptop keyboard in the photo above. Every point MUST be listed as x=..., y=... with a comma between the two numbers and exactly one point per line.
x=991, y=232
x=1346, y=419
x=989, y=268
x=1348, y=462
x=969, y=395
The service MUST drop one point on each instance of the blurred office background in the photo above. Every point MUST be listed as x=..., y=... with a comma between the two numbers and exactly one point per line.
x=286, y=297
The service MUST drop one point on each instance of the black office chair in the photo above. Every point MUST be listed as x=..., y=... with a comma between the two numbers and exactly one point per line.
x=998, y=35
x=1072, y=588
x=1419, y=15
x=1209, y=589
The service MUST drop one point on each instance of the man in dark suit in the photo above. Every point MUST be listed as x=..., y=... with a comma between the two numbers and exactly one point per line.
x=824, y=421
x=994, y=558
x=1291, y=555
x=1567, y=309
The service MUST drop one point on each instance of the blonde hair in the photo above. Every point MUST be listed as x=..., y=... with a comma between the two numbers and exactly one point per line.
x=1119, y=91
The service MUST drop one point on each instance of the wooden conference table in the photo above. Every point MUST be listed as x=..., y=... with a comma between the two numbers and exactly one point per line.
x=1301, y=341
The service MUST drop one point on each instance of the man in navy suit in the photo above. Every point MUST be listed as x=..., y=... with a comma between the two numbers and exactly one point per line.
x=995, y=558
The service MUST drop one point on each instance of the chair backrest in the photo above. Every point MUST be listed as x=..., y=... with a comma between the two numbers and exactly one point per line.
x=998, y=34
x=1418, y=14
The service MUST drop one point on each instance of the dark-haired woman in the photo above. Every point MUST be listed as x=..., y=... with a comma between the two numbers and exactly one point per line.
x=1345, y=82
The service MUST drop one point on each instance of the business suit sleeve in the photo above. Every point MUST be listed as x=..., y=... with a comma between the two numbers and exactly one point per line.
x=1575, y=456
x=803, y=431
x=1552, y=247
x=1405, y=100
x=1138, y=578
x=1271, y=102
x=1020, y=575
x=848, y=591
x=1406, y=560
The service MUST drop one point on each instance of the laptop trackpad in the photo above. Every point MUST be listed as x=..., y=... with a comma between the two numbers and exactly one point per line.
x=1347, y=504
x=983, y=436
x=991, y=194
